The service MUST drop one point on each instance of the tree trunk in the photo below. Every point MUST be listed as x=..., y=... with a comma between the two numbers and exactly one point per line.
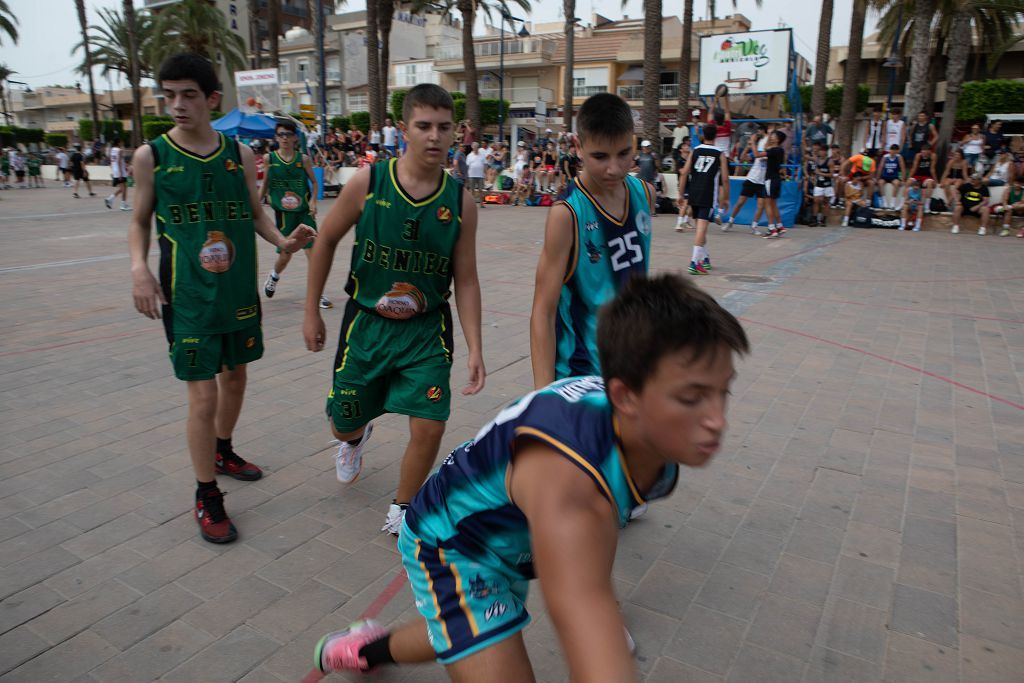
x=254, y=35
x=851, y=79
x=384, y=18
x=821, y=60
x=274, y=33
x=920, y=58
x=133, y=72
x=652, y=72
x=467, y=9
x=373, y=60
x=959, y=51
x=84, y=26
x=569, y=10
x=685, y=59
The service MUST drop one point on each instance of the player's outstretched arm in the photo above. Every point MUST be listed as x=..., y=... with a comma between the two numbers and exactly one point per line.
x=467, y=294
x=146, y=291
x=307, y=164
x=340, y=219
x=265, y=187
x=552, y=267
x=265, y=228
x=574, y=532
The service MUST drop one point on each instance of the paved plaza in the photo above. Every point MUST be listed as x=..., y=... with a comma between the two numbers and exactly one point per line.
x=863, y=522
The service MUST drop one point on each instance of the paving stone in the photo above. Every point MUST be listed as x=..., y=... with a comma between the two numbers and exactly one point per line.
x=24, y=605
x=58, y=508
x=237, y=563
x=31, y=542
x=286, y=536
x=854, y=629
x=167, y=566
x=929, y=533
x=155, y=655
x=785, y=625
x=707, y=639
x=984, y=661
x=815, y=542
x=872, y=543
x=912, y=660
x=829, y=666
x=757, y=663
x=65, y=661
x=717, y=516
x=732, y=590
x=651, y=631
x=147, y=615
x=18, y=646
x=694, y=549
x=802, y=579
x=992, y=617
x=94, y=571
x=668, y=670
x=294, y=612
x=924, y=614
x=863, y=581
x=108, y=535
x=78, y=614
x=33, y=569
x=667, y=589
x=227, y=659
x=222, y=614
x=937, y=504
x=756, y=552
x=930, y=570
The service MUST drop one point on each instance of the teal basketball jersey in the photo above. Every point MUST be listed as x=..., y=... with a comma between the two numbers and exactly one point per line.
x=605, y=254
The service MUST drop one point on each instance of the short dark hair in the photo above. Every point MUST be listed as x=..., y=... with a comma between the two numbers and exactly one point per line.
x=116, y=141
x=780, y=136
x=709, y=132
x=188, y=66
x=653, y=317
x=895, y=147
x=287, y=124
x=604, y=115
x=427, y=95
x=719, y=117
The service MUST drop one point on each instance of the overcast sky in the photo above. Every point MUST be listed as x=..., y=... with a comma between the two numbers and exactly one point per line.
x=43, y=53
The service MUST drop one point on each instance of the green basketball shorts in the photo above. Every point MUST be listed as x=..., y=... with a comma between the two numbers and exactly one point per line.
x=287, y=221
x=197, y=357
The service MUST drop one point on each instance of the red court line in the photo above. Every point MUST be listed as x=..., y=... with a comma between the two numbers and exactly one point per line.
x=72, y=343
x=893, y=361
x=863, y=303
x=881, y=281
x=372, y=610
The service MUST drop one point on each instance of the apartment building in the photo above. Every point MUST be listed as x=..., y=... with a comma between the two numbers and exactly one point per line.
x=58, y=110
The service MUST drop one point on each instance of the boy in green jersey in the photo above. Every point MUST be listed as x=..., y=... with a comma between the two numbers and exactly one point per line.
x=415, y=233
x=289, y=176
x=35, y=170
x=201, y=187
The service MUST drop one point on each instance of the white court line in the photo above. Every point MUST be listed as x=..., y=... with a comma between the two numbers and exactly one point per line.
x=54, y=215
x=58, y=264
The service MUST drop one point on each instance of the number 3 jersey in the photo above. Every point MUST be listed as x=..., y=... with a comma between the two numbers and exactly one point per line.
x=207, y=238
x=465, y=505
x=403, y=251
x=605, y=253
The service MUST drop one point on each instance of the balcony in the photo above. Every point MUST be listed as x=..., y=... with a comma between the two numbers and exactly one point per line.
x=518, y=52
x=588, y=90
x=527, y=96
x=668, y=91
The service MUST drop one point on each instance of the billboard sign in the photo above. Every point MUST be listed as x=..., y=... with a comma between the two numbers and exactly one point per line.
x=762, y=57
x=258, y=91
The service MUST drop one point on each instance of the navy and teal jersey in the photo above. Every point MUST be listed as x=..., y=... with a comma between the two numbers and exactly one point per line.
x=890, y=167
x=605, y=254
x=465, y=505
x=404, y=246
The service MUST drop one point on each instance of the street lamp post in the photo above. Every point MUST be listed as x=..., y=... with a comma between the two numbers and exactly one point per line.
x=894, y=62
x=505, y=16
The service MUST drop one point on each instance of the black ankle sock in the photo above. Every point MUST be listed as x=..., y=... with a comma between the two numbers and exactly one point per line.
x=204, y=487
x=378, y=652
x=224, y=445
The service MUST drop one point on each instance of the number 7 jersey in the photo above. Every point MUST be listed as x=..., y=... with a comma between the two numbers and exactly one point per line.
x=605, y=253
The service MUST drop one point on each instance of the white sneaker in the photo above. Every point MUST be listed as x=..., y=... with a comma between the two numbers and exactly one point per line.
x=638, y=511
x=846, y=221
x=270, y=286
x=393, y=522
x=109, y=203
x=125, y=206
x=325, y=302
x=982, y=232
x=727, y=226
x=630, y=643
x=348, y=461
x=955, y=230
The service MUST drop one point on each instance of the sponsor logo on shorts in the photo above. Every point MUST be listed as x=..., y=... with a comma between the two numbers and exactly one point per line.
x=290, y=201
x=480, y=589
x=190, y=340
x=230, y=166
x=496, y=610
x=250, y=342
x=402, y=302
x=434, y=394
x=444, y=215
x=347, y=392
x=218, y=253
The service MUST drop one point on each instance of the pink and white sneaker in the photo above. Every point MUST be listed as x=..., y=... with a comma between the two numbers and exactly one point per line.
x=339, y=651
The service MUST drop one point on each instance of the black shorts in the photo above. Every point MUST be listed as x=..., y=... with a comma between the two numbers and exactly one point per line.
x=973, y=210
x=773, y=188
x=752, y=189
x=20, y=174
x=702, y=213
x=874, y=152
x=80, y=175
x=114, y=182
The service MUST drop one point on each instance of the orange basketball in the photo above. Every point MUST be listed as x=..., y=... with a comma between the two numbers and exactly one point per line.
x=251, y=101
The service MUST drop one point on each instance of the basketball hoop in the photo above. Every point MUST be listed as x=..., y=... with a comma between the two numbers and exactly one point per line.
x=739, y=84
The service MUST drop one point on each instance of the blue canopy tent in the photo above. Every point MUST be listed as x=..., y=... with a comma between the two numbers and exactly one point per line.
x=235, y=123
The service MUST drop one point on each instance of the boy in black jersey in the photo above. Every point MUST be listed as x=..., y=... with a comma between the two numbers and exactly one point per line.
x=773, y=183
x=706, y=172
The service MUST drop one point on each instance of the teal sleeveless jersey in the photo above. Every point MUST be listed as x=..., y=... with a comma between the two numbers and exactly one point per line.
x=402, y=256
x=207, y=239
x=287, y=184
x=465, y=504
x=605, y=254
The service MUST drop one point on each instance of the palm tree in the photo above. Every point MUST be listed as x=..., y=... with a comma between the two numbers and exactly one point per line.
x=5, y=73
x=254, y=33
x=685, y=61
x=373, y=61
x=821, y=59
x=569, y=10
x=920, y=58
x=384, y=19
x=134, y=71
x=851, y=77
x=199, y=27
x=8, y=22
x=652, y=72
x=956, y=67
x=84, y=27
x=274, y=31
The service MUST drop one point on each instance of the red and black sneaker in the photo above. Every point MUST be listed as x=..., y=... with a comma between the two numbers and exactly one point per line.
x=231, y=464
x=214, y=524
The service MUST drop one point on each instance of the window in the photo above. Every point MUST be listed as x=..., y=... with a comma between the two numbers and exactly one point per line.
x=302, y=67
x=283, y=72
x=333, y=69
x=358, y=102
x=333, y=104
x=587, y=82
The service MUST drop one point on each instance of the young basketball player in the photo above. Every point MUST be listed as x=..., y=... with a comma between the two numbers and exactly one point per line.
x=202, y=188
x=118, y=177
x=289, y=176
x=415, y=232
x=596, y=238
x=542, y=489
x=705, y=177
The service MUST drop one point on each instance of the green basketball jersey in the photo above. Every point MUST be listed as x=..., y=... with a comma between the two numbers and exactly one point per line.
x=207, y=238
x=402, y=257
x=288, y=184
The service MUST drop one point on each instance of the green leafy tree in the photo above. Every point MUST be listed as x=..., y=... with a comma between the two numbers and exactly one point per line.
x=342, y=123
x=196, y=26
x=360, y=120
x=57, y=139
x=5, y=73
x=397, y=102
x=980, y=98
x=833, y=99
x=8, y=23
x=154, y=129
x=84, y=28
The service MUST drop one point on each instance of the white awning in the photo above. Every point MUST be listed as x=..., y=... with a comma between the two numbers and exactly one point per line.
x=633, y=73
